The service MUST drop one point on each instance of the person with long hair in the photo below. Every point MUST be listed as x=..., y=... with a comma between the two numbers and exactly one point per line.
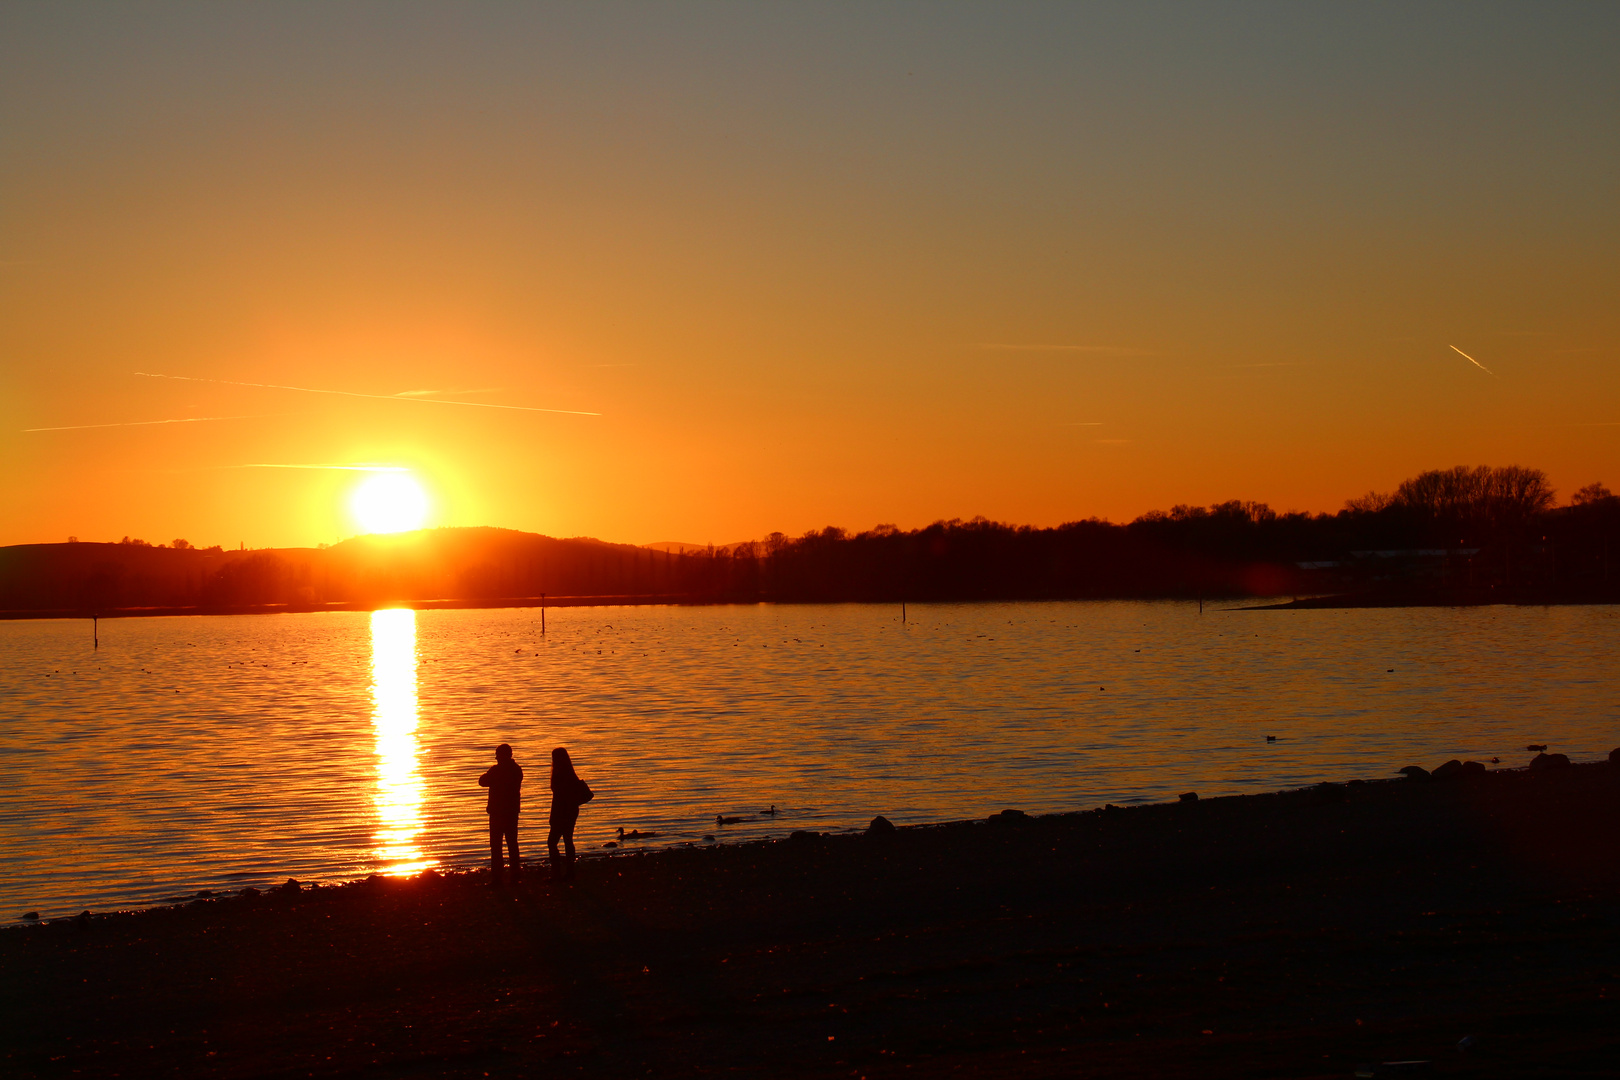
x=568, y=794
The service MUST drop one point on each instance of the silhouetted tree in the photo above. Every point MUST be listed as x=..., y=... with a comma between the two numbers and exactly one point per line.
x=1481, y=502
x=1591, y=493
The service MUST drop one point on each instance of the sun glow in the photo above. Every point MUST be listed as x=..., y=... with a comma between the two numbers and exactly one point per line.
x=389, y=502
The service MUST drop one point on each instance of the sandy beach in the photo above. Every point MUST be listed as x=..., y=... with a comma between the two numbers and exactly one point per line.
x=1296, y=934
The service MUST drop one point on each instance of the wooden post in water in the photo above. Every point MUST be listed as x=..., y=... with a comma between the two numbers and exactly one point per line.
x=902, y=611
x=542, y=614
x=95, y=632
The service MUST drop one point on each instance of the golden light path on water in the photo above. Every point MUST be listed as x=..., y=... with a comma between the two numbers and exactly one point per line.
x=398, y=798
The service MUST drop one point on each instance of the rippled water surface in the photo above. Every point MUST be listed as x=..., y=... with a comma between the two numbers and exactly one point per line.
x=193, y=753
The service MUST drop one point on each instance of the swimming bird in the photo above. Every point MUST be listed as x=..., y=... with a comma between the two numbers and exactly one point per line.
x=1537, y=749
x=771, y=812
x=1271, y=738
x=722, y=820
x=635, y=834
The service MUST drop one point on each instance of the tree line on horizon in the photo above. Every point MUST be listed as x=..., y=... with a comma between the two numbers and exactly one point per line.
x=1480, y=532
x=1499, y=527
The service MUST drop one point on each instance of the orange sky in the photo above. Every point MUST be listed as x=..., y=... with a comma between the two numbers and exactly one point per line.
x=811, y=265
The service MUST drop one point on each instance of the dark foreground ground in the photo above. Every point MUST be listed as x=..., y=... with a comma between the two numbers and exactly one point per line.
x=1289, y=935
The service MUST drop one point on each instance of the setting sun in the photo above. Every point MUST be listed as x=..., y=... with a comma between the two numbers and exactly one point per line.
x=389, y=502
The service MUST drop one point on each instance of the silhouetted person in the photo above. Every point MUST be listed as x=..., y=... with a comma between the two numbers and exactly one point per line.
x=568, y=793
x=505, y=782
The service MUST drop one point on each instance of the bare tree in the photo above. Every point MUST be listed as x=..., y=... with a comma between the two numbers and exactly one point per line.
x=1481, y=499
x=1591, y=493
x=1370, y=503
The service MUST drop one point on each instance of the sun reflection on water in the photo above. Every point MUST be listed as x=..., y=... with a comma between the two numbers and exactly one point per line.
x=394, y=716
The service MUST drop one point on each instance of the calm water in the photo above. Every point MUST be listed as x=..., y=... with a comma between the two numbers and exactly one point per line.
x=193, y=753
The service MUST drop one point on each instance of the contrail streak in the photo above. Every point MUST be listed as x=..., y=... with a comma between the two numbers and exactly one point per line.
x=374, y=397
x=1471, y=360
x=141, y=423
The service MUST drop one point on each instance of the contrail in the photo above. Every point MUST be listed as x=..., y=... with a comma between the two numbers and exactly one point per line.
x=141, y=423
x=375, y=397
x=1471, y=360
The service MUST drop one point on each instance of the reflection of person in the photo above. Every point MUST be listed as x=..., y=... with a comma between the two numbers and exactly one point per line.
x=505, y=782
x=568, y=793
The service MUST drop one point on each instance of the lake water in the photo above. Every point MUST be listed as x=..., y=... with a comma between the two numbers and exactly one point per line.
x=214, y=753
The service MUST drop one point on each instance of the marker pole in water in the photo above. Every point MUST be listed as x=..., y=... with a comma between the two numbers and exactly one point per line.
x=902, y=611
x=95, y=632
x=542, y=614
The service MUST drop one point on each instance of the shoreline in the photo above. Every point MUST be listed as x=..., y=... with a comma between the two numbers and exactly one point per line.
x=1290, y=933
x=1309, y=603
x=1436, y=598
x=534, y=834
x=534, y=842
x=646, y=599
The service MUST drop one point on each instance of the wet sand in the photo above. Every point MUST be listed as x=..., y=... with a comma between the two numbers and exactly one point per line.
x=1285, y=935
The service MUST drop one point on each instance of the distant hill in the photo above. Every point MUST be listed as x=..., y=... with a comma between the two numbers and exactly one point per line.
x=477, y=564
x=1457, y=536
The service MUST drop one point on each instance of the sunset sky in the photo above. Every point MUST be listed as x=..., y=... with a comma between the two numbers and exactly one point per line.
x=777, y=267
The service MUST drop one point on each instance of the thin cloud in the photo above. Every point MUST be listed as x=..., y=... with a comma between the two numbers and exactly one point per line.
x=1104, y=350
x=1471, y=360
x=349, y=468
x=1277, y=363
x=145, y=423
x=341, y=468
x=432, y=393
x=317, y=465
x=374, y=397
